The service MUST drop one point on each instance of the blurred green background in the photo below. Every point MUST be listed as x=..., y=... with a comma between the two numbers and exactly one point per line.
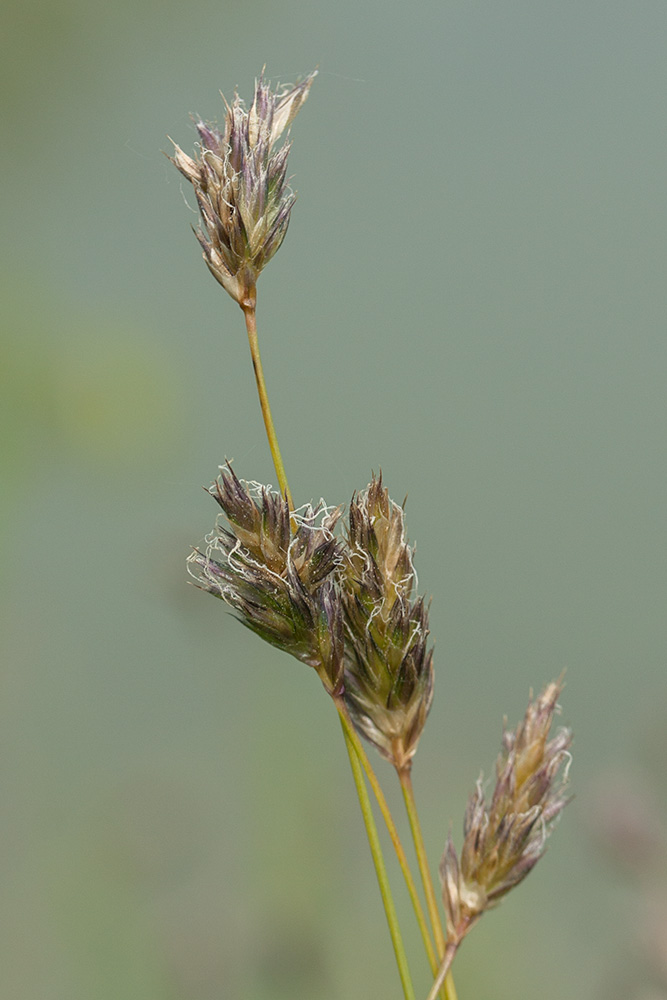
x=471, y=297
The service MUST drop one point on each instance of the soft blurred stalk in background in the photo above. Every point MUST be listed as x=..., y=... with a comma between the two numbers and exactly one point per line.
x=471, y=296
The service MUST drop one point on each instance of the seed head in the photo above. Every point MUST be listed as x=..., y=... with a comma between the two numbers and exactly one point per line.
x=504, y=840
x=388, y=669
x=241, y=187
x=280, y=583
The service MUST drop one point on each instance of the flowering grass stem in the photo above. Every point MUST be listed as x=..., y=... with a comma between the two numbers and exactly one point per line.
x=251, y=327
x=405, y=778
x=360, y=763
x=352, y=742
x=380, y=870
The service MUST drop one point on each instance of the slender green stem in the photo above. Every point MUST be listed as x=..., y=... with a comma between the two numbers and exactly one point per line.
x=422, y=860
x=251, y=327
x=380, y=870
x=393, y=832
x=405, y=778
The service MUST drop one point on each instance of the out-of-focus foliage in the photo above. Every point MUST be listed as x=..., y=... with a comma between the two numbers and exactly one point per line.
x=77, y=388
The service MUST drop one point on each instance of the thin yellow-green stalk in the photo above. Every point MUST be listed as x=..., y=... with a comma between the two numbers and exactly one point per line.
x=405, y=778
x=251, y=327
x=393, y=833
x=380, y=870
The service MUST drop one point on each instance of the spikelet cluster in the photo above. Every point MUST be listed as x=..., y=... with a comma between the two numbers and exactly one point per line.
x=240, y=182
x=506, y=838
x=280, y=582
x=341, y=605
x=389, y=668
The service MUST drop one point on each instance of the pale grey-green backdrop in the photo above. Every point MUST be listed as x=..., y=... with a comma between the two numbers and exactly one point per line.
x=471, y=297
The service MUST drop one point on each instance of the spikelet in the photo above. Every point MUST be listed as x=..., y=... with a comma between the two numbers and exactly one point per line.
x=280, y=583
x=388, y=665
x=504, y=840
x=240, y=183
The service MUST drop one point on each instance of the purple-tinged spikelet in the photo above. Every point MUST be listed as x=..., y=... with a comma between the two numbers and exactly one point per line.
x=241, y=186
x=506, y=838
x=280, y=582
x=388, y=668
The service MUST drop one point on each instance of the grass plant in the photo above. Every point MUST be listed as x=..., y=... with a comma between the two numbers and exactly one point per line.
x=338, y=593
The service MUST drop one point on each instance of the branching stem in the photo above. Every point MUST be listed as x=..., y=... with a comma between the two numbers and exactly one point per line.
x=393, y=833
x=354, y=748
